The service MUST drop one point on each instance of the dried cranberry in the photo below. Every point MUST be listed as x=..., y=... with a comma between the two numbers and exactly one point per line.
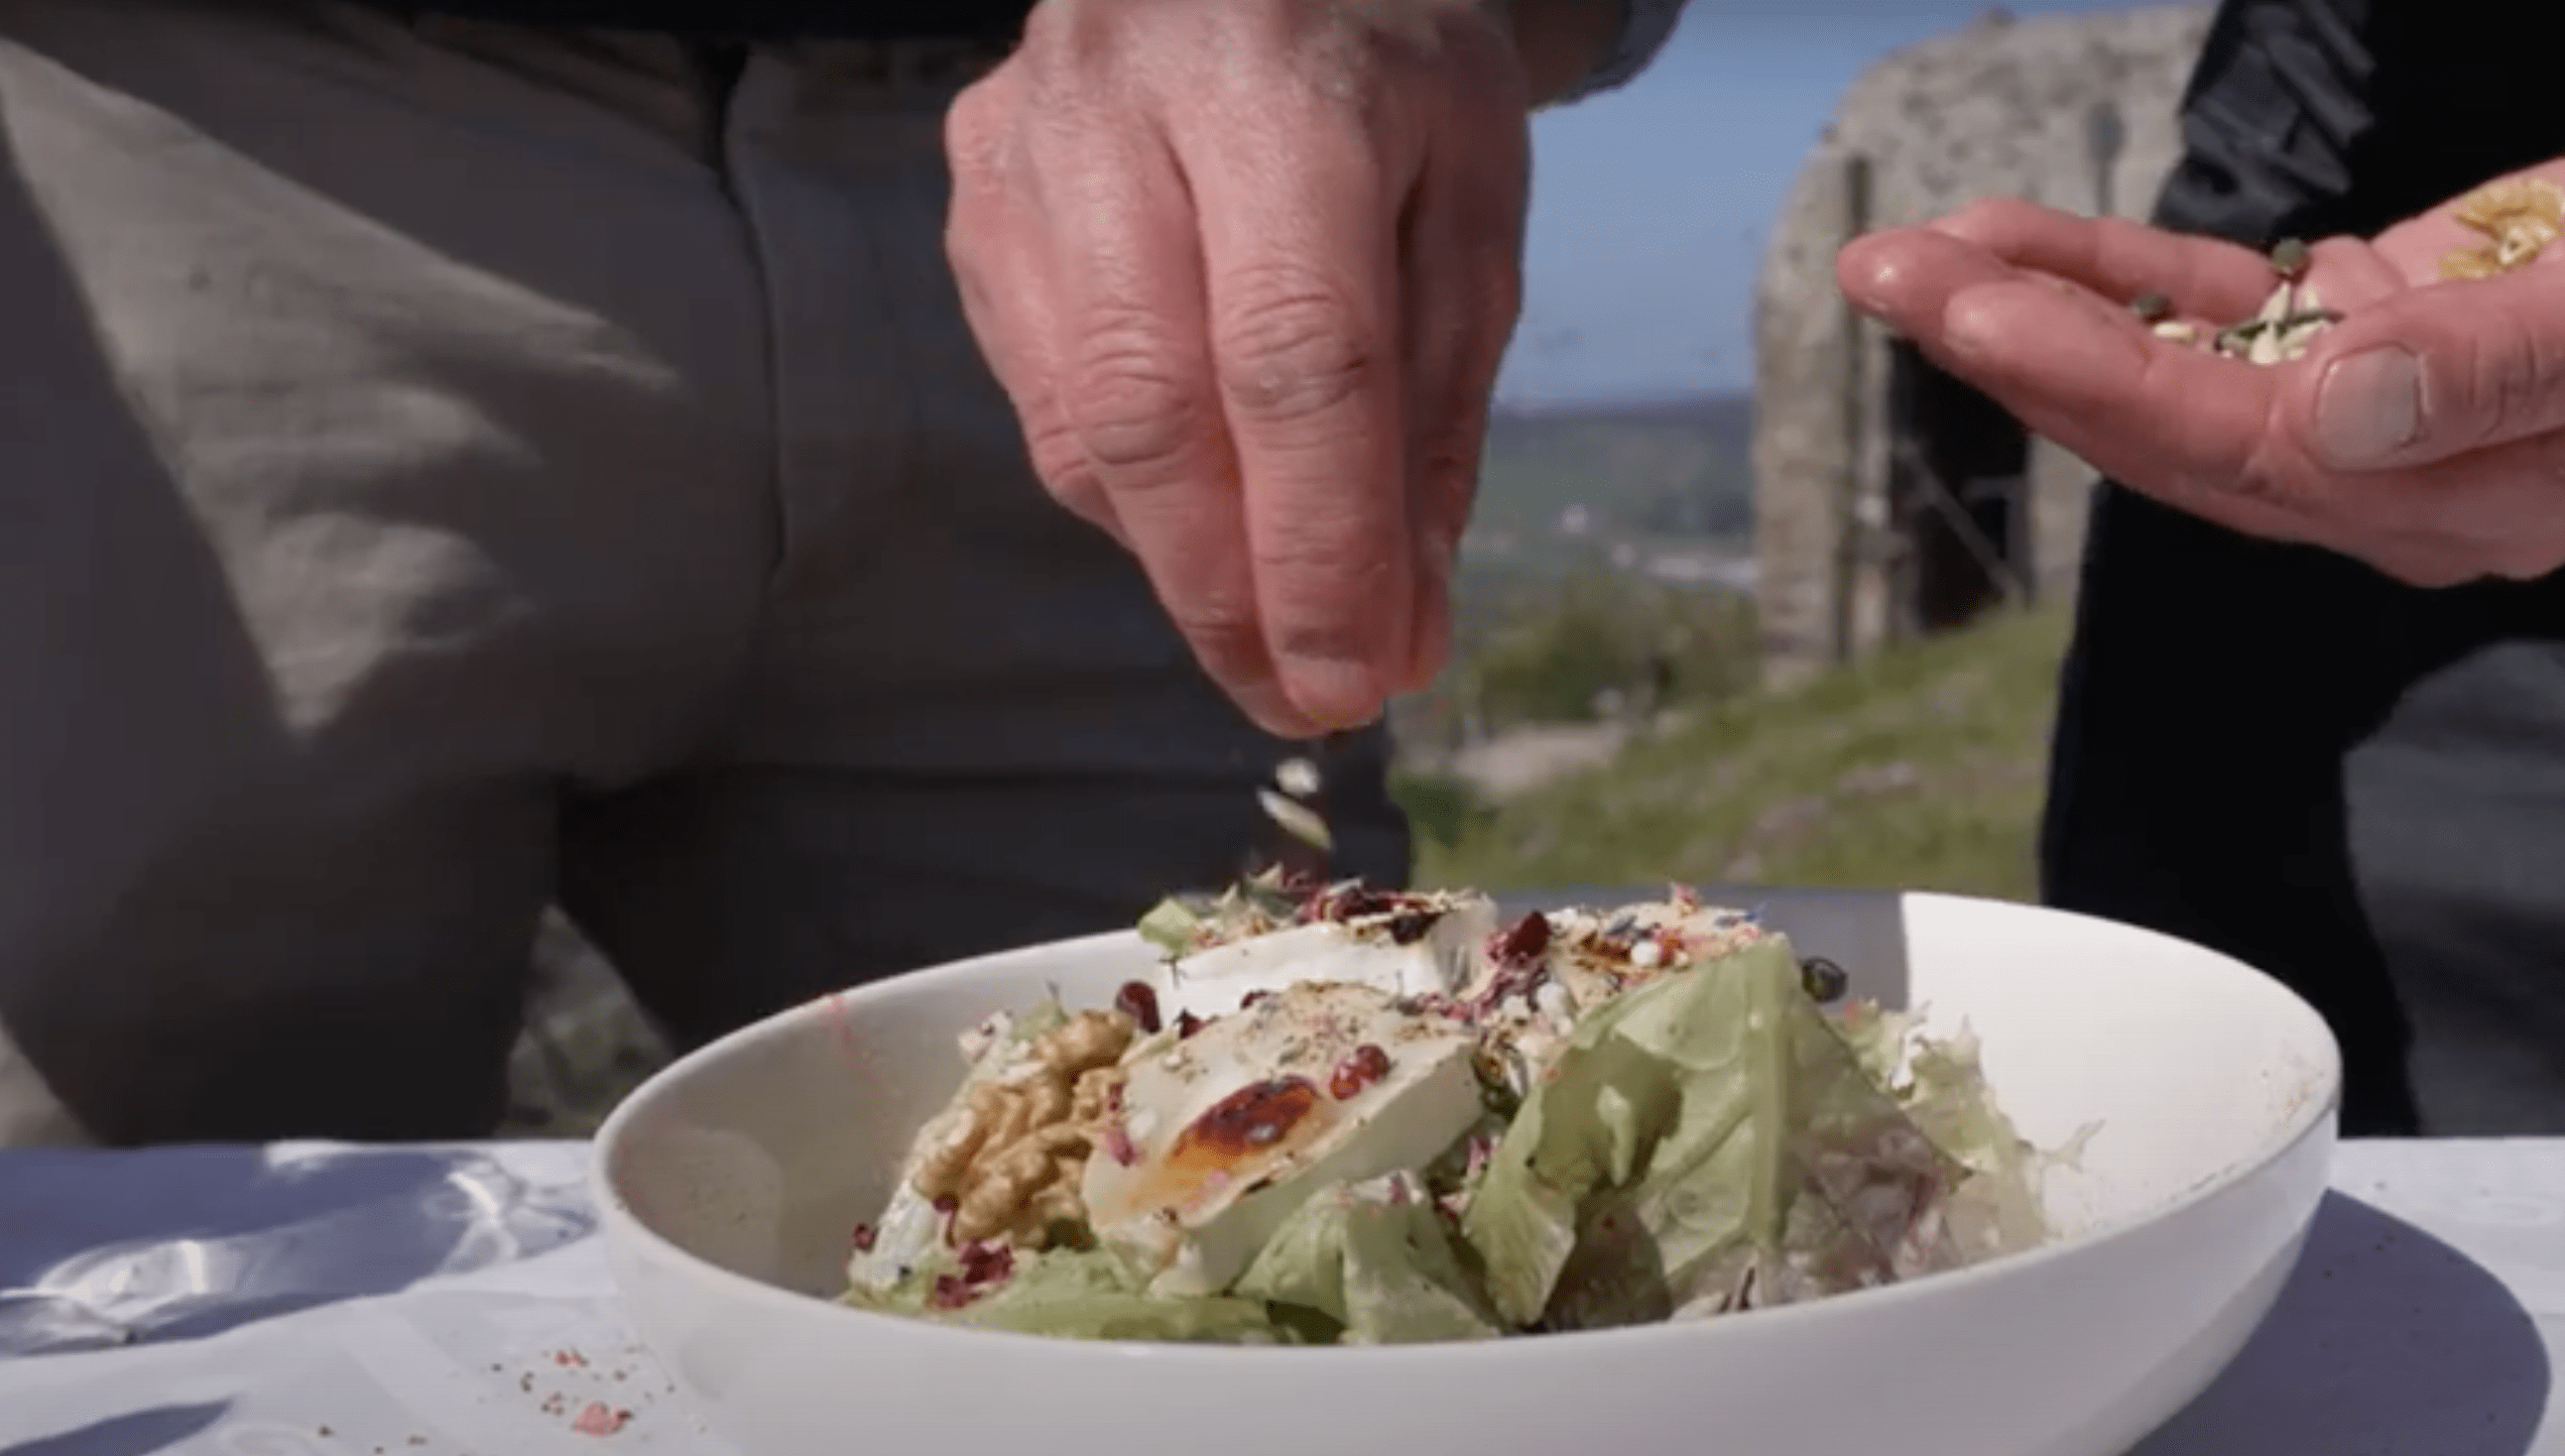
x=987, y=1263
x=1186, y=1024
x=1522, y=945
x=950, y=1293
x=863, y=1238
x=1136, y=1001
x=1117, y=1146
x=1250, y=997
x=1362, y=1066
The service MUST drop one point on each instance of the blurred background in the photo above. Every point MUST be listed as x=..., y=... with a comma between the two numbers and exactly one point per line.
x=1752, y=593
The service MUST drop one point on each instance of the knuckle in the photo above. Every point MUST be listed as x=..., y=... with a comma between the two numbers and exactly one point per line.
x=1226, y=638
x=1328, y=602
x=2513, y=371
x=1061, y=463
x=1292, y=346
x=1133, y=404
x=973, y=131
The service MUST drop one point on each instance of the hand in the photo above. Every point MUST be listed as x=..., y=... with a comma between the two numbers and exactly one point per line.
x=1247, y=269
x=2423, y=434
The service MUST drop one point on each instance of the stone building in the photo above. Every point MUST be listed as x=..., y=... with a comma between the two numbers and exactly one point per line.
x=1890, y=499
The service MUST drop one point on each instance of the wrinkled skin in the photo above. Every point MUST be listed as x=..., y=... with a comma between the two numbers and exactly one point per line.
x=1247, y=269
x=2424, y=434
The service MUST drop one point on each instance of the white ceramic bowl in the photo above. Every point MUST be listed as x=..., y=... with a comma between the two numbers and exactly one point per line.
x=730, y=1182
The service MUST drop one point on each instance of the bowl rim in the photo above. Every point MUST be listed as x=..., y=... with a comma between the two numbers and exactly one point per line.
x=2312, y=1118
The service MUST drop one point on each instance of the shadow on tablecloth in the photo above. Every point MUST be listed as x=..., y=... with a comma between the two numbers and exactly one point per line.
x=136, y=1434
x=98, y=1250
x=2386, y=1341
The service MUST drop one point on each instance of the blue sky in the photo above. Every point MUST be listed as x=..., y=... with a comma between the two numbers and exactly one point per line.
x=1651, y=204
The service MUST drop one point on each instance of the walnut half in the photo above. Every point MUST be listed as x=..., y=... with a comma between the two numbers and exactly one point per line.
x=1010, y=1156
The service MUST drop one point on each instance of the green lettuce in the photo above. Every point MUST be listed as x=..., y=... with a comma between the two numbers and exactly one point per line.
x=1705, y=1141
x=1077, y=1293
x=1372, y=1264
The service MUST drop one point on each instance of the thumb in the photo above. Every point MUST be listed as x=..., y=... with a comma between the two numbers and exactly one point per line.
x=2439, y=371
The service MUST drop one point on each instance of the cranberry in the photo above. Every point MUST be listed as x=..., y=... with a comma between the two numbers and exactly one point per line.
x=863, y=1238
x=987, y=1263
x=1522, y=945
x=1186, y=1024
x=1362, y=1066
x=950, y=1293
x=1117, y=1146
x=1250, y=997
x=1136, y=1001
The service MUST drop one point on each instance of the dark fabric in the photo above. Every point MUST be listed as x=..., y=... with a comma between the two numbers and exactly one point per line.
x=2355, y=785
x=760, y=19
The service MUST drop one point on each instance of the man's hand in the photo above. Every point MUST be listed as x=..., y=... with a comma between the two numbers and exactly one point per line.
x=1247, y=269
x=2423, y=434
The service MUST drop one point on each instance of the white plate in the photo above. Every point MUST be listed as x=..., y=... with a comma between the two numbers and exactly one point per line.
x=731, y=1181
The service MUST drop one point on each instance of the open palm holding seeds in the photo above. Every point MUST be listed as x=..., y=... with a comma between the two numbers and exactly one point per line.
x=2516, y=218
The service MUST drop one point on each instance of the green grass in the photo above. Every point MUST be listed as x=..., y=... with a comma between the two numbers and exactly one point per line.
x=1921, y=768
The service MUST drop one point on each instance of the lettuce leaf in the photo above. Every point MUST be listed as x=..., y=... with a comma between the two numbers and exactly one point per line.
x=1372, y=1261
x=1077, y=1293
x=1704, y=1142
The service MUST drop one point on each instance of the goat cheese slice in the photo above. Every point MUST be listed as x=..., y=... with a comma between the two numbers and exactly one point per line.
x=1386, y=951
x=1231, y=1129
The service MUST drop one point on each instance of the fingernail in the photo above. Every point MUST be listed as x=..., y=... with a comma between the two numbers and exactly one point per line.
x=1333, y=691
x=2369, y=405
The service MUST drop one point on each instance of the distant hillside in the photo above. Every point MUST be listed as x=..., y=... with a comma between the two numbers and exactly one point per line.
x=1921, y=767
x=1664, y=470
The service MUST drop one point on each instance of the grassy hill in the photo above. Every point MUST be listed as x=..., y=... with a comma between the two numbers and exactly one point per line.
x=1921, y=768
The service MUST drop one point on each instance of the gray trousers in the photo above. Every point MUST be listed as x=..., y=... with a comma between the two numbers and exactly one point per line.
x=447, y=469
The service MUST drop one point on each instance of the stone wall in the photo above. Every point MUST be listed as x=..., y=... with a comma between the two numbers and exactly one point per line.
x=2005, y=106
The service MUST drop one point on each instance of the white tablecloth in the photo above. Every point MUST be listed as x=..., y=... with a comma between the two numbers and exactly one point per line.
x=443, y=1301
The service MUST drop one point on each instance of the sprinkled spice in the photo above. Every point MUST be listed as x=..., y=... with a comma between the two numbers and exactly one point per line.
x=1361, y=1067
x=1136, y=1001
x=1186, y=1025
x=863, y=1238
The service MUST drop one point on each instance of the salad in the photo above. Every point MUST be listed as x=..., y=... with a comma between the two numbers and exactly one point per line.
x=1345, y=1115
